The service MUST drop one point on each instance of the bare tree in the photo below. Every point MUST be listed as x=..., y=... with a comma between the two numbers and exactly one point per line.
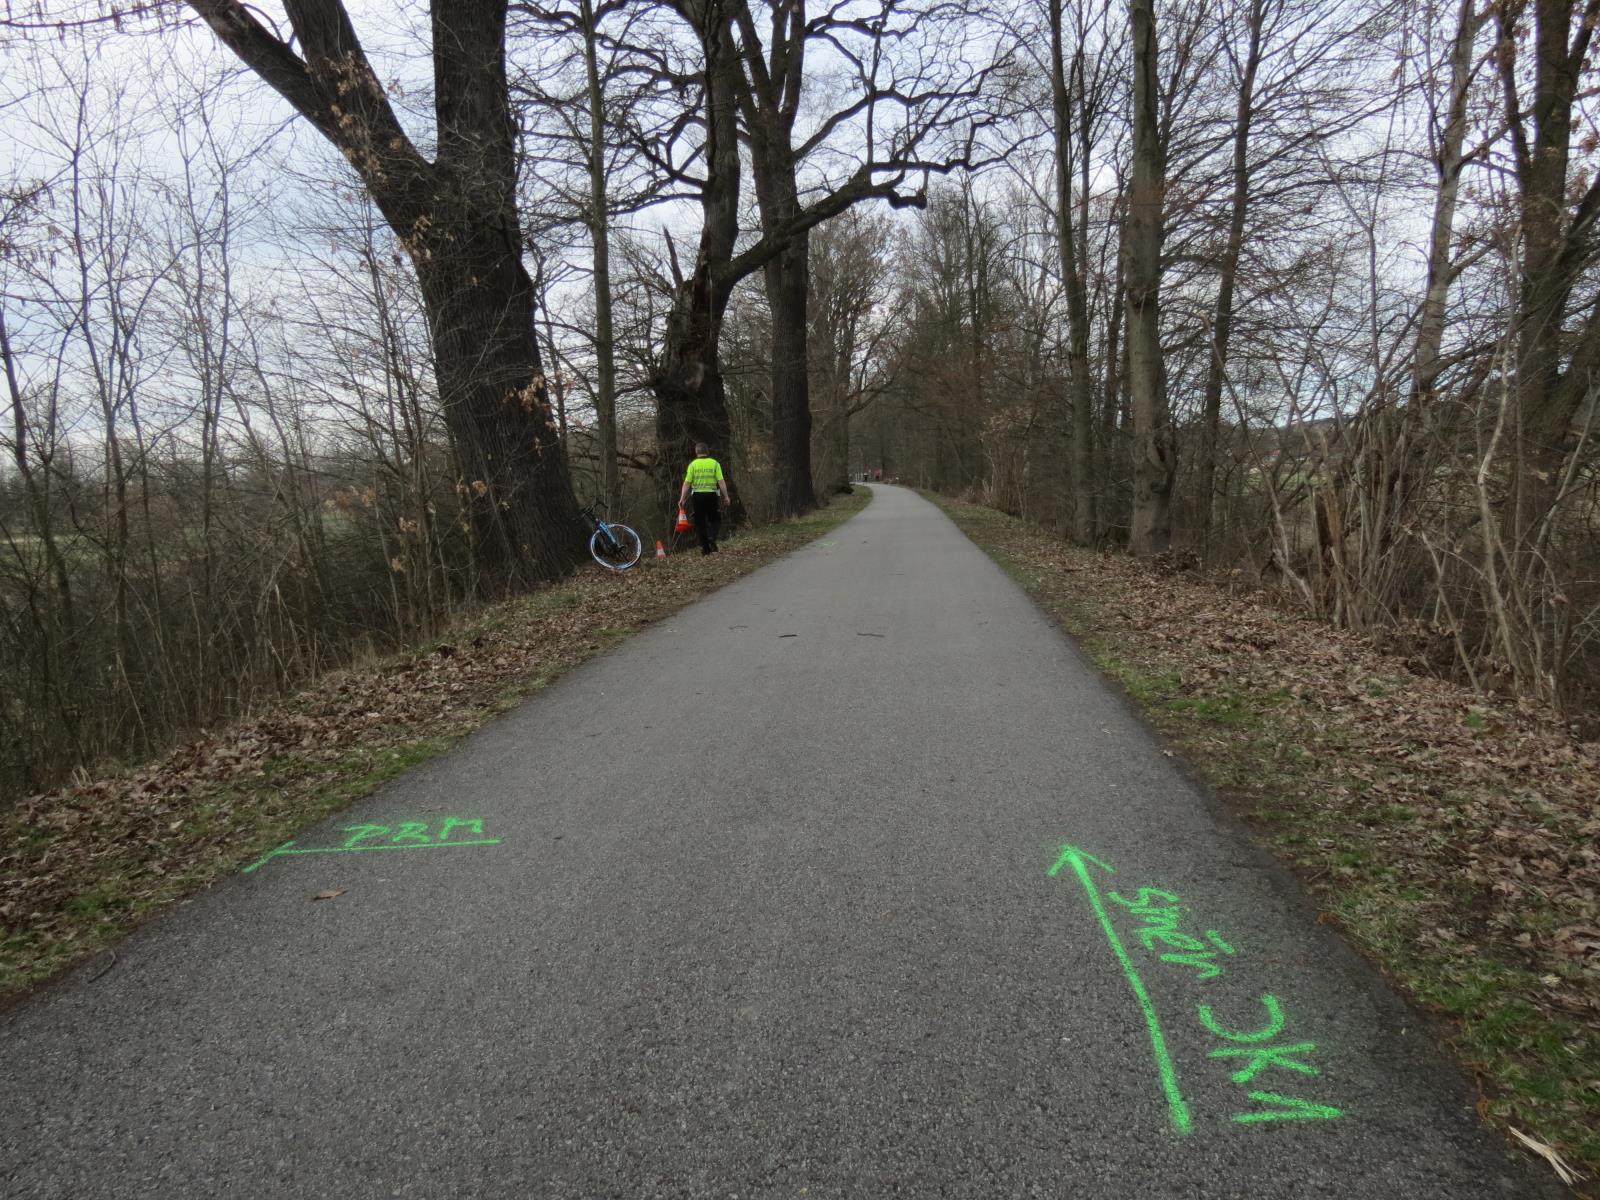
x=1078, y=96
x=600, y=237
x=456, y=217
x=895, y=127
x=1154, y=452
x=1556, y=245
x=944, y=101
x=847, y=342
x=691, y=400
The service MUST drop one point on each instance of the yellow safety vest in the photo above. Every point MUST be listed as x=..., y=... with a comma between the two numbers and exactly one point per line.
x=703, y=475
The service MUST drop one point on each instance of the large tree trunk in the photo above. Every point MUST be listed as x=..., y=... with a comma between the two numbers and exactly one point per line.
x=770, y=96
x=691, y=402
x=787, y=278
x=1154, y=454
x=763, y=82
x=481, y=306
x=457, y=219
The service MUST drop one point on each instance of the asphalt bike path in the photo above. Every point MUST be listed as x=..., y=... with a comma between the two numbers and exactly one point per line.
x=850, y=880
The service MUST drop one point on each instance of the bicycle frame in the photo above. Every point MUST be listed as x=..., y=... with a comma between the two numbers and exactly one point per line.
x=595, y=519
x=614, y=546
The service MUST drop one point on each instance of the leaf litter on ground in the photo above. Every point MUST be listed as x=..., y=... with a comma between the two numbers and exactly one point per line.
x=1455, y=838
x=81, y=865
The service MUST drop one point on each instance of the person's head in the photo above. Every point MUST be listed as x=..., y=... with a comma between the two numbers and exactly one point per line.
x=701, y=449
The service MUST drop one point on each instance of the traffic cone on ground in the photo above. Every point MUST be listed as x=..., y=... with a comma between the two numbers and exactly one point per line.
x=661, y=551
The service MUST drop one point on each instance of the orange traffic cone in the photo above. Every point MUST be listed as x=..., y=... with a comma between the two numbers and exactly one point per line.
x=661, y=551
x=684, y=525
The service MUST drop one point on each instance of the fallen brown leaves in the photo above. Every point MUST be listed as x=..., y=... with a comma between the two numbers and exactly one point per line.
x=82, y=864
x=1455, y=838
x=1506, y=813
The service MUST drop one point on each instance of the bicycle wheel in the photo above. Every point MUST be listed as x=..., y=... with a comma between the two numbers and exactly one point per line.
x=615, y=547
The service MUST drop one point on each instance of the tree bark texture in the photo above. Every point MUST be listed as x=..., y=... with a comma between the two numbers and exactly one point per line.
x=1154, y=452
x=1448, y=164
x=770, y=98
x=457, y=219
x=1400, y=473
x=691, y=401
x=1079, y=393
x=787, y=280
x=1113, y=400
x=1555, y=247
x=1228, y=270
x=605, y=400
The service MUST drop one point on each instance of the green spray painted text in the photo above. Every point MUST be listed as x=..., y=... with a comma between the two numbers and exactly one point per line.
x=407, y=835
x=1251, y=1045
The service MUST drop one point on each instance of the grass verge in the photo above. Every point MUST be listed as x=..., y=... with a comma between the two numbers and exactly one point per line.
x=1455, y=841
x=81, y=866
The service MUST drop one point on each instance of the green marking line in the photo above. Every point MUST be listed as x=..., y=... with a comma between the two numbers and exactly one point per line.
x=1262, y=1057
x=1177, y=1109
x=282, y=850
x=1293, y=1110
x=1274, y=1025
x=405, y=846
x=268, y=856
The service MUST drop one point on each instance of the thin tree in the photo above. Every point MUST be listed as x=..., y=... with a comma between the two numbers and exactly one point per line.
x=1228, y=267
x=1154, y=453
x=849, y=329
x=1070, y=243
x=605, y=395
x=1555, y=245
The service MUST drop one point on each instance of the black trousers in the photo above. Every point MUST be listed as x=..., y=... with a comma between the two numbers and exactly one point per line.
x=707, y=514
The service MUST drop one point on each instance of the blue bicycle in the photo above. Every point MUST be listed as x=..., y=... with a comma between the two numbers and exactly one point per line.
x=615, y=547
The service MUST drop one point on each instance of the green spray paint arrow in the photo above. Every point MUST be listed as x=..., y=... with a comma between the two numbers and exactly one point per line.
x=1079, y=860
x=1069, y=853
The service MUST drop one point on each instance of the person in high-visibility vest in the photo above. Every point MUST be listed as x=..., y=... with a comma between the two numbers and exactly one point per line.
x=704, y=484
